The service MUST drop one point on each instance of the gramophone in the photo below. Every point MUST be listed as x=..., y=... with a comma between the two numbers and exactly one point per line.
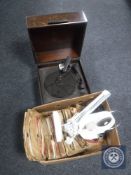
x=57, y=44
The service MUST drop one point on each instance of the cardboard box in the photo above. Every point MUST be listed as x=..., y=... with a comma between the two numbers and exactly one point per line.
x=111, y=138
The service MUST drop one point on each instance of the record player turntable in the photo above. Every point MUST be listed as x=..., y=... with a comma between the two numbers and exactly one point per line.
x=59, y=81
x=57, y=43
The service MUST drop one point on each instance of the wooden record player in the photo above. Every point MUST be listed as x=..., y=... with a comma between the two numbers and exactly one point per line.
x=53, y=39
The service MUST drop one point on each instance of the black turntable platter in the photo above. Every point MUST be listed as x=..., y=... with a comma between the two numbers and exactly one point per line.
x=60, y=85
x=56, y=86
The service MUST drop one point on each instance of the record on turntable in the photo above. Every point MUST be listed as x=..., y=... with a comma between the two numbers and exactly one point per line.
x=62, y=80
x=60, y=86
x=61, y=83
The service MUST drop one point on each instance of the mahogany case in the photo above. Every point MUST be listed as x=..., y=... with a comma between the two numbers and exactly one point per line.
x=53, y=38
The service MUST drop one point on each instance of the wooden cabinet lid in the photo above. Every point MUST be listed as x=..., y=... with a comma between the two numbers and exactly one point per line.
x=54, y=37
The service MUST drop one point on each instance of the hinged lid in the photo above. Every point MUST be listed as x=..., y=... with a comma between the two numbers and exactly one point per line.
x=57, y=36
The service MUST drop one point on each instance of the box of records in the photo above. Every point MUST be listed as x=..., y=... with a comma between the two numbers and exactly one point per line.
x=69, y=129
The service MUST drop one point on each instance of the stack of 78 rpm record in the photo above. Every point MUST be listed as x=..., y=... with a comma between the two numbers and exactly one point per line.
x=40, y=140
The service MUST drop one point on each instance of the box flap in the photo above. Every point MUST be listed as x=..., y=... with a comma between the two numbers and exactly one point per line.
x=54, y=37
